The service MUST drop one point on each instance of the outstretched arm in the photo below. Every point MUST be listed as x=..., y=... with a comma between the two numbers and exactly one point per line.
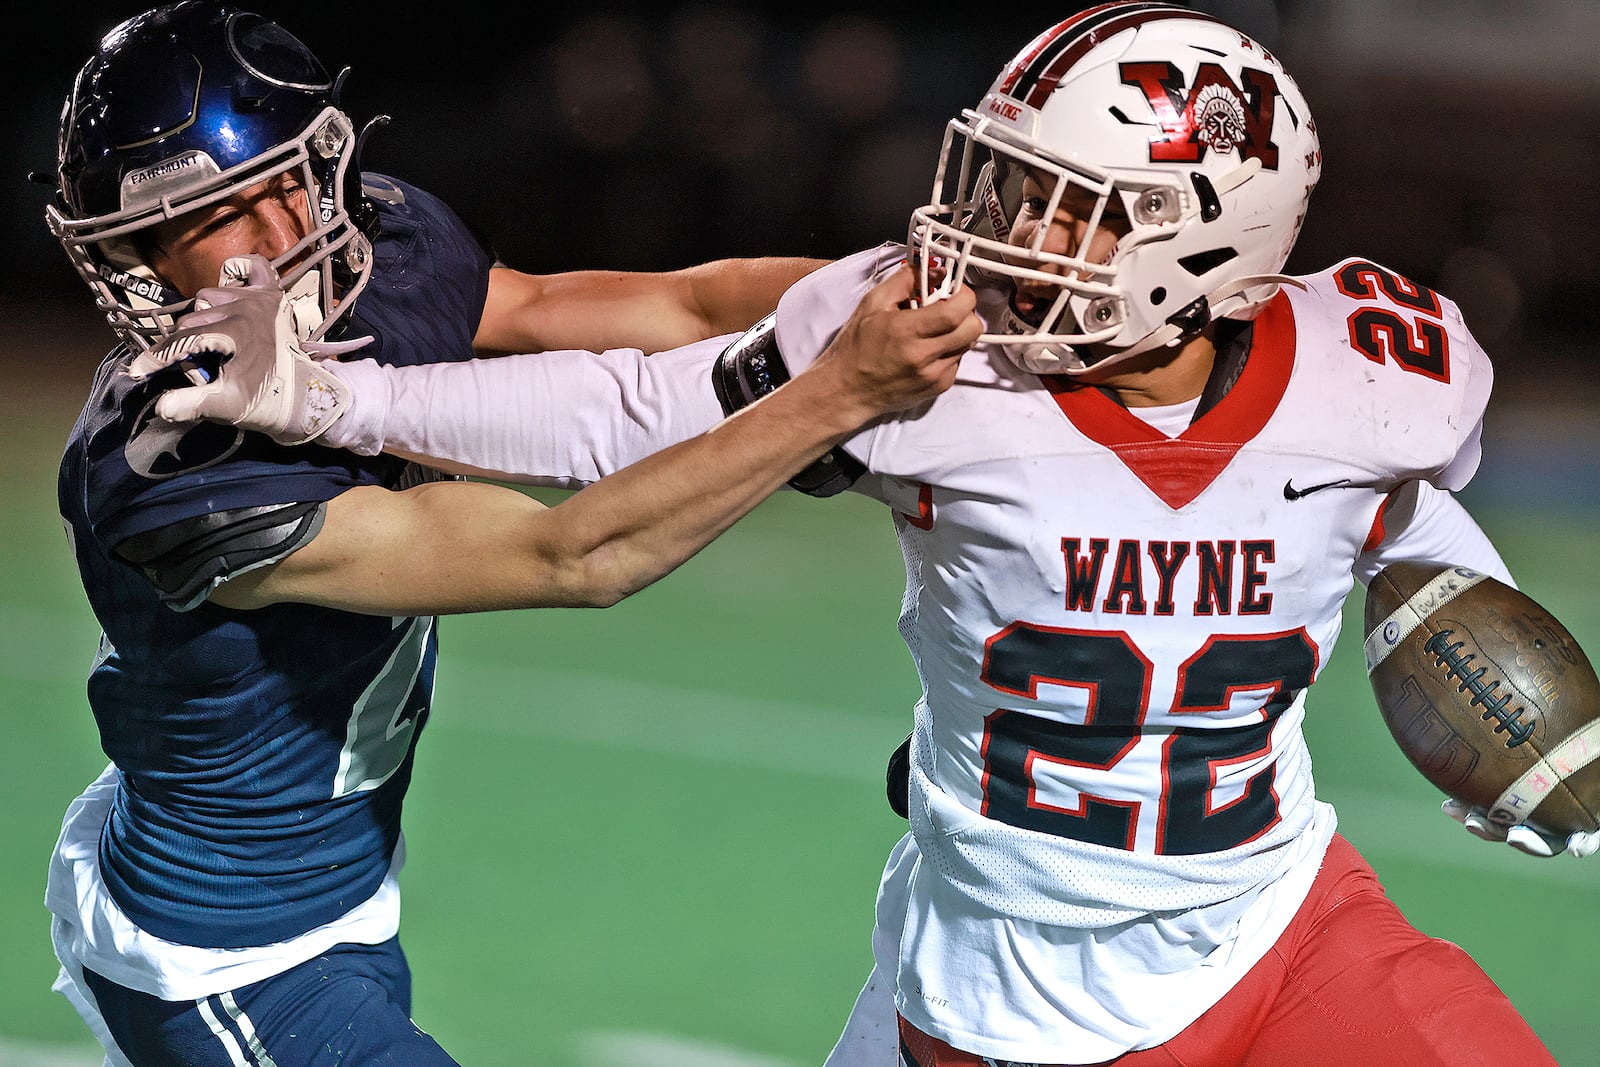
x=552, y=418
x=598, y=310
x=458, y=547
x=559, y=419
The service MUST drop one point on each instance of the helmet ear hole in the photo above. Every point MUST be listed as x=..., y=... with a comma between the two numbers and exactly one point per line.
x=1157, y=295
x=1202, y=263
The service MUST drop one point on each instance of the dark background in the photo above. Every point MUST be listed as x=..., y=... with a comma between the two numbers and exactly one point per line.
x=1461, y=137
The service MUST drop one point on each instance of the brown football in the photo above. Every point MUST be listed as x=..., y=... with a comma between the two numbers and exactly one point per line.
x=1487, y=694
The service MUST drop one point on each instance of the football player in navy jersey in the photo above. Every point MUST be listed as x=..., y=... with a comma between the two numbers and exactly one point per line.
x=226, y=892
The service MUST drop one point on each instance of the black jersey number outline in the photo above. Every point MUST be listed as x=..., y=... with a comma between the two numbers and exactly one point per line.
x=1118, y=676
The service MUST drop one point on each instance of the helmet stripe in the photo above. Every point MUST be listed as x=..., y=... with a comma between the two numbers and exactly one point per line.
x=1034, y=78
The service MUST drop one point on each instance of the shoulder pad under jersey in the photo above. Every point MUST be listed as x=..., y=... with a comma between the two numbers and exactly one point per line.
x=186, y=559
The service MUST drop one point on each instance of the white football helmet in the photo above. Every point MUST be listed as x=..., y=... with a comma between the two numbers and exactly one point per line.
x=1196, y=128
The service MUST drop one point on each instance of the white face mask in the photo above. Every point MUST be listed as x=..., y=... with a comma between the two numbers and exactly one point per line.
x=305, y=303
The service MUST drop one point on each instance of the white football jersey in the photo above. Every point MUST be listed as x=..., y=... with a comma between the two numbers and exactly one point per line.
x=1112, y=802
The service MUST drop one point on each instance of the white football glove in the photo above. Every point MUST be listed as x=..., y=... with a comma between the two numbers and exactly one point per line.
x=267, y=379
x=1521, y=836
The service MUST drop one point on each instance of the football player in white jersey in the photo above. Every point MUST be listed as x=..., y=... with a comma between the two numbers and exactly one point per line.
x=1130, y=529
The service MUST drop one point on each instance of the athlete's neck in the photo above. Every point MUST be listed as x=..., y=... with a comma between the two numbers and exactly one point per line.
x=1167, y=376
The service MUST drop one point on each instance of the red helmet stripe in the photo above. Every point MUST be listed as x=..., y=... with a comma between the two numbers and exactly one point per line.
x=1034, y=77
x=1051, y=37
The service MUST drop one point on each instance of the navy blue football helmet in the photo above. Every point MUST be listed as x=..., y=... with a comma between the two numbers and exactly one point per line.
x=183, y=106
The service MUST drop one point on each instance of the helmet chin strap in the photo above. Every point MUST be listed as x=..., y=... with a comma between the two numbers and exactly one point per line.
x=1225, y=301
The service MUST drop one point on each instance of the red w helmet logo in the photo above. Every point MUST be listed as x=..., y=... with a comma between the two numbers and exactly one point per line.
x=1215, y=114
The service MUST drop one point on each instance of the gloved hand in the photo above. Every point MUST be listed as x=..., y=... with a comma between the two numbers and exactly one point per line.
x=1521, y=836
x=267, y=379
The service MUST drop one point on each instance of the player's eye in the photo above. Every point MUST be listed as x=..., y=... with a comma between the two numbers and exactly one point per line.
x=1035, y=206
x=218, y=221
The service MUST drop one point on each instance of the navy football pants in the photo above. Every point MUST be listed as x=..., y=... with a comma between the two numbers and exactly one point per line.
x=350, y=1006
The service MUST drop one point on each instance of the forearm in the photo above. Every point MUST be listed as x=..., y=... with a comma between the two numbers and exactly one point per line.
x=650, y=311
x=560, y=419
x=629, y=530
x=459, y=547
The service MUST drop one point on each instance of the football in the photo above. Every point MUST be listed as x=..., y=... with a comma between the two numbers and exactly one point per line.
x=1487, y=694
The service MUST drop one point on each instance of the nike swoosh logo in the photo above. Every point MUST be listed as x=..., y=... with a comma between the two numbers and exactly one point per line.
x=1291, y=493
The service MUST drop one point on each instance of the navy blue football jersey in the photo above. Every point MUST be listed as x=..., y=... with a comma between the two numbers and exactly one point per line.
x=264, y=755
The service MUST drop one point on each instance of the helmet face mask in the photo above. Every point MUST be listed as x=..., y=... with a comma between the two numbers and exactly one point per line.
x=1180, y=130
x=182, y=108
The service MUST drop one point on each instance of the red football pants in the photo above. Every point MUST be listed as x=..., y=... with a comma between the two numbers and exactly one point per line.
x=1349, y=983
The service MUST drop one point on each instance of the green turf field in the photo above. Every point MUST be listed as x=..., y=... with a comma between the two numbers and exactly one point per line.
x=651, y=835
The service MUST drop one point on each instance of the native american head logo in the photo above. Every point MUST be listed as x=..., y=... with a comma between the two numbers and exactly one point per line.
x=1219, y=118
x=1214, y=114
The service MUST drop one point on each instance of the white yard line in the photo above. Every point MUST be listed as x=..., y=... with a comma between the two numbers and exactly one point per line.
x=664, y=1050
